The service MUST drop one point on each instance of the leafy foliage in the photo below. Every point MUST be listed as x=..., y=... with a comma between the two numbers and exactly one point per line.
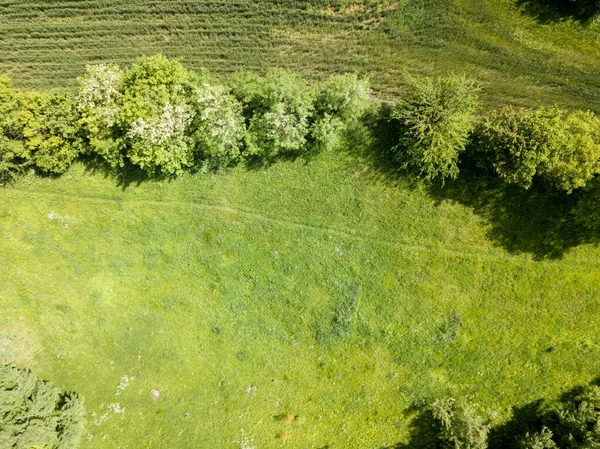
x=340, y=101
x=539, y=440
x=279, y=109
x=156, y=115
x=14, y=156
x=34, y=413
x=50, y=131
x=219, y=126
x=562, y=148
x=99, y=103
x=436, y=118
x=579, y=420
x=461, y=426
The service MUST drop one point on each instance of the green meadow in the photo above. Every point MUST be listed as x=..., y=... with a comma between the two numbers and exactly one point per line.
x=309, y=303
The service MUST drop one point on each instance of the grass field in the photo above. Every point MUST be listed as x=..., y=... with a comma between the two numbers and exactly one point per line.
x=518, y=59
x=305, y=304
x=340, y=295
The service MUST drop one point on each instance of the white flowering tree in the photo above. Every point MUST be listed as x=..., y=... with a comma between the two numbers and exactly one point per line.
x=219, y=126
x=156, y=115
x=99, y=103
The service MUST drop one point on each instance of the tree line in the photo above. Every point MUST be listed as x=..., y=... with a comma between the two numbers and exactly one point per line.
x=164, y=119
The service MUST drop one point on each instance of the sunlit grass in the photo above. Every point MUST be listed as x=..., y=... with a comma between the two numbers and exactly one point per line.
x=312, y=290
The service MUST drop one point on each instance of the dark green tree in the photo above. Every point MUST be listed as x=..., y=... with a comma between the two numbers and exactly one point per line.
x=35, y=414
x=461, y=426
x=436, y=118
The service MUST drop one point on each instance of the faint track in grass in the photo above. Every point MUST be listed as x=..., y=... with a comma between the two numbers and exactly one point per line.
x=346, y=233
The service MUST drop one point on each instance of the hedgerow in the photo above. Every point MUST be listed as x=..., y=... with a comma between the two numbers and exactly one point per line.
x=165, y=119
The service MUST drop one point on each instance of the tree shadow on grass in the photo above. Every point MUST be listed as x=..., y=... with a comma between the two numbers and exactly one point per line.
x=539, y=221
x=424, y=430
x=550, y=11
x=125, y=176
x=528, y=418
x=371, y=142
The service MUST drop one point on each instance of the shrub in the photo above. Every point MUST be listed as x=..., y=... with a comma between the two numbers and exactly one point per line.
x=435, y=118
x=34, y=413
x=461, y=427
x=278, y=108
x=50, y=130
x=339, y=101
x=549, y=143
x=155, y=116
x=219, y=127
x=14, y=156
x=539, y=440
x=579, y=420
x=99, y=103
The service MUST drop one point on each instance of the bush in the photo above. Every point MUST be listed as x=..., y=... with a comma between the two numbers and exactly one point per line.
x=99, y=104
x=435, y=119
x=539, y=440
x=339, y=102
x=155, y=115
x=14, y=157
x=549, y=143
x=461, y=427
x=219, y=127
x=34, y=413
x=579, y=420
x=278, y=109
x=50, y=130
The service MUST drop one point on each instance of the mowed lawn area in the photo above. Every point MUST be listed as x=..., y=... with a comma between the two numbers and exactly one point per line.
x=305, y=304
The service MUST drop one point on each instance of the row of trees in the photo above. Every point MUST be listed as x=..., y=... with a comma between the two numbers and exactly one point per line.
x=163, y=118
x=437, y=122
x=573, y=422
